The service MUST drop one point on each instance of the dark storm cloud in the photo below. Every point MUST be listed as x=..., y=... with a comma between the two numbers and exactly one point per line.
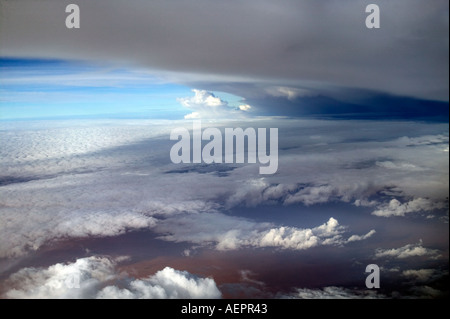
x=332, y=102
x=312, y=47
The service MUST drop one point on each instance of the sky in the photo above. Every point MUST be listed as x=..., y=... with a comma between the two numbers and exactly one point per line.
x=92, y=206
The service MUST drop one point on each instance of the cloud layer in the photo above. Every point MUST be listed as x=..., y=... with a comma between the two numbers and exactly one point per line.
x=105, y=178
x=309, y=47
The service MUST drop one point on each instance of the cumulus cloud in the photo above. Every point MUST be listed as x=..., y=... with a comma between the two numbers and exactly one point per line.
x=407, y=251
x=329, y=233
x=165, y=284
x=333, y=292
x=231, y=233
x=396, y=208
x=97, y=277
x=80, y=279
x=206, y=105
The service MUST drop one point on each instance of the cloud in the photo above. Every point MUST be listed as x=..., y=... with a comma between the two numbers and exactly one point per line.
x=289, y=93
x=80, y=279
x=244, y=107
x=313, y=195
x=392, y=165
x=96, y=178
x=97, y=277
x=333, y=292
x=293, y=238
x=206, y=105
x=165, y=284
x=36, y=231
x=246, y=277
x=396, y=208
x=420, y=274
x=358, y=238
x=107, y=178
x=427, y=292
x=407, y=251
x=260, y=41
x=232, y=233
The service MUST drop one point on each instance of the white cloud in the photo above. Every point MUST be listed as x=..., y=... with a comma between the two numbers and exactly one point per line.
x=358, y=238
x=298, y=239
x=231, y=233
x=30, y=232
x=96, y=277
x=165, y=284
x=245, y=107
x=396, y=208
x=312, y=195
x=365, y=203
x=403, y=166
x=410, y=250
x=205, y=104
x=333, y=292
x=193, y=115
x=80, y=279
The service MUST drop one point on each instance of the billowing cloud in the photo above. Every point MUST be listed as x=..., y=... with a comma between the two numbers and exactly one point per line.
x=407, y=251
x=97, y=277
x=206, y=105
x=231, y=233
x=80, y=279
x=165, y=284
